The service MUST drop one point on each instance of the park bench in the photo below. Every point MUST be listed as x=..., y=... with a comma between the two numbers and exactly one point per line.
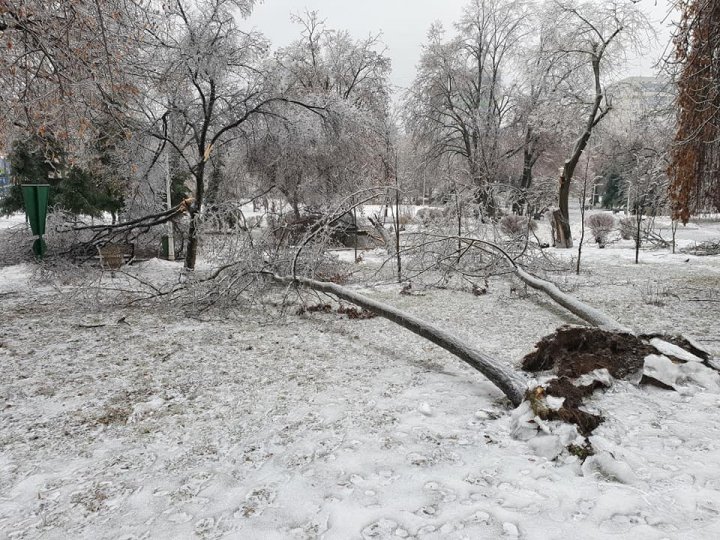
x=113, y=256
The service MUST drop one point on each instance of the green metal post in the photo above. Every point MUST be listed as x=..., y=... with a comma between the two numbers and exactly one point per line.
x=36, y=197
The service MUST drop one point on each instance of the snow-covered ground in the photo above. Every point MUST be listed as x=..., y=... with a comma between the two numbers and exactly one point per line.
x=129, y=422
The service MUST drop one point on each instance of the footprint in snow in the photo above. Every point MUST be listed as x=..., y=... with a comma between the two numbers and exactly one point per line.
x=426, y=511
x=425, y=409
x=256, y=502
x=418, y=460
x=443, y=494
x=386, y=477
x=383, y=528
x=179, y=517
x=479, y=517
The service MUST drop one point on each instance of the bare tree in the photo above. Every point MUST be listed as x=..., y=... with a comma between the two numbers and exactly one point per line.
x=537, y=119
x=313, y=160
x=332, y=62
x=460, y=98
x=586, y=39
x=206, y=85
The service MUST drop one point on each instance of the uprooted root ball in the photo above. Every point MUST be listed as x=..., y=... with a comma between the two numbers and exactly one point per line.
x=575, y=351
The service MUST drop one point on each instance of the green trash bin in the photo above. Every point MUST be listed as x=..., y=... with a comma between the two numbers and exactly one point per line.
x=36, y=197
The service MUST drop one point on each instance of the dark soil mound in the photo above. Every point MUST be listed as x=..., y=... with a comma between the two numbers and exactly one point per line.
x=570, y=411
x=574, y=351
x=573, y=394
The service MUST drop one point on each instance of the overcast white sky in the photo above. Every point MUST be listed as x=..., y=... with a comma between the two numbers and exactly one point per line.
x=404, y=24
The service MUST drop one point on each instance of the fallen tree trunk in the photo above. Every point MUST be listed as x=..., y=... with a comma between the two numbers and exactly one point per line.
x=512, y=384
x=587, y=313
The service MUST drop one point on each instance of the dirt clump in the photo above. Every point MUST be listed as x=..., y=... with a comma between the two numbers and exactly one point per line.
x=572, y=393
x=570, y=411
x=573, y=351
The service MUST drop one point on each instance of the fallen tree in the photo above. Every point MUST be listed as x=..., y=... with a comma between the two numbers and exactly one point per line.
x=571, y=353
x=574, y=342
x=587, y=313
x=512, y=384
x=620, y=351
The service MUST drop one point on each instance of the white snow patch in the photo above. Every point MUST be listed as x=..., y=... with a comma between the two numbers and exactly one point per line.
x=604, y=464
x=522, y=422
x=15, y=278
x=142, y=410
x=554, y=403
x=671, y=349
x=601, y=375
x=510, y=529
x=425, y=409
x=661, y=368
x=547, y=446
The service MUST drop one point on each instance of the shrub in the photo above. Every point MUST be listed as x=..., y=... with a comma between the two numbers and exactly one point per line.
x=429, y=215
x=601, y=225
x=516, y=226
x=628, y=228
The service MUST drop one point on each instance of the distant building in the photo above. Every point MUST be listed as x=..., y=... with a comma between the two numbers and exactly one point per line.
x=637, y=98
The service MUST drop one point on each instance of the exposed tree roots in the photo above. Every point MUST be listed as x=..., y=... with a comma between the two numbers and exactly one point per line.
x=572, y=352
x=575, y=351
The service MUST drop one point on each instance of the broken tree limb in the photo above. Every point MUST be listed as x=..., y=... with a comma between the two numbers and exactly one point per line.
x=587, y=313
x=126, y=232
x=144, y=221
x=512, y=384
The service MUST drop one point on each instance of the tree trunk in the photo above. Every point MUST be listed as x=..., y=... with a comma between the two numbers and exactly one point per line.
x=485, y=200
x=512, y=384
x=214, y=180
x=638, y=234
x=195, y=208
x=569, y=166
x=398, y=257
x=384, y=235
x=529, y=160
x=561, y=234
x=295, y=205
x=587, y=313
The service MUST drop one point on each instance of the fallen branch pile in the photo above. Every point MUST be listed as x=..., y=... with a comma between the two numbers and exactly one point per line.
x=121, y=233
x=703, y=249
